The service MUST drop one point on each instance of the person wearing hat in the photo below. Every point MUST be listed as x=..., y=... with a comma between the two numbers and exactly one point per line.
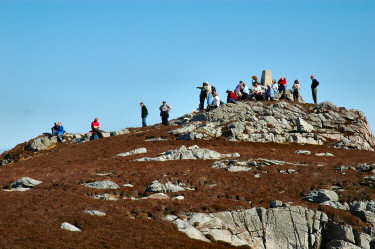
x=144, y=114
x=231, y=97
x=164, y=112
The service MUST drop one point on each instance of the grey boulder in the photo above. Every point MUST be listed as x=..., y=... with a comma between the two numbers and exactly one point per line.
x=25, y=182
x=321, y=195
x=102, y=185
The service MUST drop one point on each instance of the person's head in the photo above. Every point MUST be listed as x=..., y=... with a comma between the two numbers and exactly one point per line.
x=60, y=124
x=244, y=84
x=312, y=77
x=254, y=78
x=56, y=123
x=282, y=77
x=273, y=81
x=241, y=82
x=141, y=104
x=296, y=82
x=96, y=119
x=227, y=91
x=256, y=84
x=268, y=86
x=164, y=102
x=205, y=83
x=215, y=94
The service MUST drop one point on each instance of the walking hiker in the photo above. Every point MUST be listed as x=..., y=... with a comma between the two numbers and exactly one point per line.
x=314, y=89
x=296, y=87
x=95, y=126
x=164, y=112
x=144, y=114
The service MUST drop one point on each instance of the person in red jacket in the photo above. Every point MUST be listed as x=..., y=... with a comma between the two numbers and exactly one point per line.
x=95, y=126
x=282, y=85
x=231, y=98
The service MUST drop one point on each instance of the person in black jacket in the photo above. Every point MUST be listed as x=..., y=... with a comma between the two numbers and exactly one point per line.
x=144, y=114
x=314, y=89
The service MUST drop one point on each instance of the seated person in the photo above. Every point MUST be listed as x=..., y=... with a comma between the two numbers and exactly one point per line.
x=270, y=93
x=58, y=131
x=244, y=91
x=53, y=129
x=215, y=102
x=231, y=97
x=95, y=129
x=256, y=92
x=238, y=87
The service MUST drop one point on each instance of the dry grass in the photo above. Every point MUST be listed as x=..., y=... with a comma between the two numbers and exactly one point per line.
x=32, y=219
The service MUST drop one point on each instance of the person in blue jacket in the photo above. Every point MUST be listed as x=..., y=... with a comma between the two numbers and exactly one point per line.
x=59, y=131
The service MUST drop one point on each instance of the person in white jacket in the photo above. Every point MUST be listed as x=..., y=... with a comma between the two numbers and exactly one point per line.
x=215, y=102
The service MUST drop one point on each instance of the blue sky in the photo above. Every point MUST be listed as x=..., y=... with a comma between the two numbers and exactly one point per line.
x=70, y=61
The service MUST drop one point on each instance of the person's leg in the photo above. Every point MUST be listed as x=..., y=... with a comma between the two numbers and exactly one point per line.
x=209, y=99
x=314, y=95
x=100, y=135
x=144, y=124
x=164, y=119
x=201, y=103
x=59, y=138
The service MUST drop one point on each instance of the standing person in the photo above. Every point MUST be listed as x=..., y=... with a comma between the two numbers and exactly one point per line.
x=144, y=114
x=255, y=80
x=164, y=112
x=274, y=86
x=95, y=126
x=282, y=85
x=205, y=94
x=314, y=89
x=208, y=94
x=296, y=87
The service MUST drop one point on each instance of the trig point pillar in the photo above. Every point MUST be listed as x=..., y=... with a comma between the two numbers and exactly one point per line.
x=266, y=77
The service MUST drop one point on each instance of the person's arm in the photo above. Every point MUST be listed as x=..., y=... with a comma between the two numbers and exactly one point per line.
x=169, y=108
x=146, y=110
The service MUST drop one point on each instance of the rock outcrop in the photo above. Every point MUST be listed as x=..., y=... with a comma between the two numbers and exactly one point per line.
x=280, y=122
x=23, y=184
x=274, y=228
x=192, y=152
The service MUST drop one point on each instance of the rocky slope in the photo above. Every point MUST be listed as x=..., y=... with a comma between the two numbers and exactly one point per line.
x=231, y=178
x=281, y=122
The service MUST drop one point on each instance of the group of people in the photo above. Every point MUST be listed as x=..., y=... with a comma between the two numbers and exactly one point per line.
x=209, y=95
x=256, y=92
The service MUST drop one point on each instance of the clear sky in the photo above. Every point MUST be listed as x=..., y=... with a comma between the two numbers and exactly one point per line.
x=70, y=61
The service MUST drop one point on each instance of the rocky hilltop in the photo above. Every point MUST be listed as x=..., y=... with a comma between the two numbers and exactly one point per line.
x=255, y=175
x=281, y=122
